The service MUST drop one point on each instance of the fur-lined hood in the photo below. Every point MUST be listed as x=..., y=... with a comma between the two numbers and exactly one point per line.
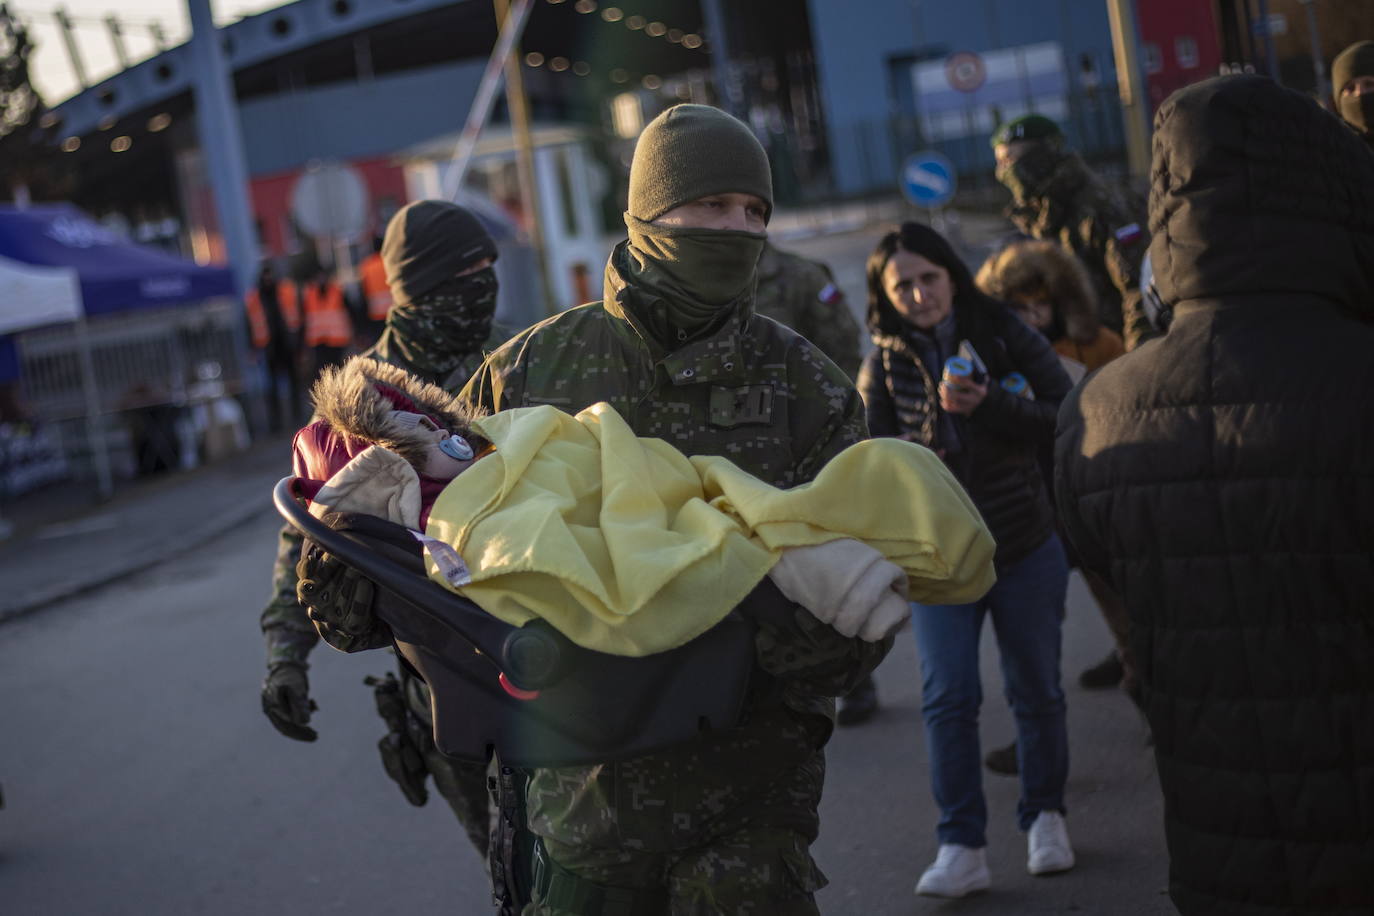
x=1046, y=272
x=359, y=400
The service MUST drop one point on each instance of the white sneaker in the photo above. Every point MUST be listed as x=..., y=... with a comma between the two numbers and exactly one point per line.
x=1048, y=846
x=957, y=872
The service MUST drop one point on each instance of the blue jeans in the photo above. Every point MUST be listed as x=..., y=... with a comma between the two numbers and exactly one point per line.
x=1026, y=606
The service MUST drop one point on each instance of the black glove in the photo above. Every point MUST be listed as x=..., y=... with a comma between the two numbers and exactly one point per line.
x=338, y=600
x=286, y=701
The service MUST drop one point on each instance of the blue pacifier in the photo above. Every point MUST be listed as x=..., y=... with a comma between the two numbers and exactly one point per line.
x=456, y=447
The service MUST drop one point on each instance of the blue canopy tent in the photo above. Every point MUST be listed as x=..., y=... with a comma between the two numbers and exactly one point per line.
x=57, y=265
x=114, y=274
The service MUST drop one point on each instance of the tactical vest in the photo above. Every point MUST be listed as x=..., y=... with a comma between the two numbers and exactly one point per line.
x=751, y=393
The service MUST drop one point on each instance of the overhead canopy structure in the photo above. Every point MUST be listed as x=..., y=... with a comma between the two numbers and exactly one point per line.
x=45, y=250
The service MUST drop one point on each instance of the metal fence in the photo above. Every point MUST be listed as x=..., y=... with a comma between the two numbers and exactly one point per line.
x=140, y=359
x=143, y=363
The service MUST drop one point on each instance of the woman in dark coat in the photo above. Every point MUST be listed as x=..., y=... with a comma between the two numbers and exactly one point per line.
x=1223, y=478
x=923, y=308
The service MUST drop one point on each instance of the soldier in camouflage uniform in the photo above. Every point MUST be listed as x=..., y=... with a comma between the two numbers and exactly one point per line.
x=802, y=294
x=1055, y=197
x=722, y=824
x=438, y=260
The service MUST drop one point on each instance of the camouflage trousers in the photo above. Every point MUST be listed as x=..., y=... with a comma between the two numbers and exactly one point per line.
x=758, y=871
x=464, y=786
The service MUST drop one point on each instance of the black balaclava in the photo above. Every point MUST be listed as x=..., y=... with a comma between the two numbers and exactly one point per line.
x=1029, y=175
x=439, y=317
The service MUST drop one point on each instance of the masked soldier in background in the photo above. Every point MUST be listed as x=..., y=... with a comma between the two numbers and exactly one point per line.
x=801, y=293
x=1057, y=198
x=438, y=259
x=1352, y=85
x=722, y=823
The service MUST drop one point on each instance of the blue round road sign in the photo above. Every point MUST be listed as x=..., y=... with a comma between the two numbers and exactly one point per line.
x=928, y=179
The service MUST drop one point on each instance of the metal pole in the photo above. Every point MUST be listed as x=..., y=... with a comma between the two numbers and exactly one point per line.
x=1315, y=38
x=64, y=24
x=726, y=90
x=482, y=102
x=117, y=39
x=519, y=105
x=221, y=142
x=1130, y=85
x=1271, y=60
x=100, y=453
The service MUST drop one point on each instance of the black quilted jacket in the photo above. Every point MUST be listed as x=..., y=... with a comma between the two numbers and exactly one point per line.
x=1223, y=478
x=997, y=464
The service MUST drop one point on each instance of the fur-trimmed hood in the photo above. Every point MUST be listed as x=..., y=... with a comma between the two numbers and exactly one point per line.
x=359, y=400
x=1032, y=270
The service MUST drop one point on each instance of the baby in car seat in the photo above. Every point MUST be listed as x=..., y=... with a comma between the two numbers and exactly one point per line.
x=621, y=542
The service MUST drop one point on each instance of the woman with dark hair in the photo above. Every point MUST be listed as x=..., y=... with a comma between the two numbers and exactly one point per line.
x=924, y=308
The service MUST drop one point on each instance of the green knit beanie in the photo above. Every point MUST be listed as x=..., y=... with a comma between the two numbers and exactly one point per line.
x=692, y=151
x=1356, y=60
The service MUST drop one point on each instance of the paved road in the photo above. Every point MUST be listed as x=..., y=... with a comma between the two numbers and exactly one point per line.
x=142, y=779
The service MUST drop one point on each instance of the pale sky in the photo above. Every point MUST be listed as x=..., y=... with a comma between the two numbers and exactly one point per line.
x=52, y=71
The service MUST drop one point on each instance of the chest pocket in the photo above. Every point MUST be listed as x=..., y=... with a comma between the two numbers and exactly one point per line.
x=751, y=405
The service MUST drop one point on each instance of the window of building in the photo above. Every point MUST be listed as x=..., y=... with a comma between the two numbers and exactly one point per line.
x=1154, y=59
x=1185, y=50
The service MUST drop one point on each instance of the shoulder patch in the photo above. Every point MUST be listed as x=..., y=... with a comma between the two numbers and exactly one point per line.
x=1128, y=234
x=830, y=294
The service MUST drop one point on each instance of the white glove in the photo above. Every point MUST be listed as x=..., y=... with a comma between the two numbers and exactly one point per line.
x=846, y=584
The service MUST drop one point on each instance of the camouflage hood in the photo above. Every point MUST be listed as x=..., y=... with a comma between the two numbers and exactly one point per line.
x=1045, y=205
x=360, y=398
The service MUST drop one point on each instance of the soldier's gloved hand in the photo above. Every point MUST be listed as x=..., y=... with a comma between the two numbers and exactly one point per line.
x=847, y=584
x=338, y=601
x=286, y=701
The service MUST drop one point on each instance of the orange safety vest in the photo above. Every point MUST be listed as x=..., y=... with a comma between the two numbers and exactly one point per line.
x=257, y=317
x=375, y=288
x=326, y=319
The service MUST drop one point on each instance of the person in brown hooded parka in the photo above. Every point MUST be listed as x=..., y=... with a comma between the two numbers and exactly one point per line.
x=1049, y=288
x=1222, y=477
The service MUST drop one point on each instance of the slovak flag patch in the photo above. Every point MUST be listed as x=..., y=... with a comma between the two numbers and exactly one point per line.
x=830, y=294
x=1128, y=234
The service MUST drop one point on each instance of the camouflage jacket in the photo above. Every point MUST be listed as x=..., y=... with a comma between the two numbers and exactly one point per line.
x=1077, y=210
x=761, y=395
x=289, y=634
x=802, y=294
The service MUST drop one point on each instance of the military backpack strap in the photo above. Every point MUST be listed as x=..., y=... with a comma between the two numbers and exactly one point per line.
x=404, y=745
x=510, y=857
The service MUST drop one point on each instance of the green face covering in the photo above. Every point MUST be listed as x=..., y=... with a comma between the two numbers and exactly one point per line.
x=1358, y=112
x=697, y=273
x=435, y=331
x=1028, y=175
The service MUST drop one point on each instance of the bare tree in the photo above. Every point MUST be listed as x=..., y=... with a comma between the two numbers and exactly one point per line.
x=26, y=148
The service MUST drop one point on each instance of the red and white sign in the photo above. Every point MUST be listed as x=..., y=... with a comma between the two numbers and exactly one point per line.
x=965, y=71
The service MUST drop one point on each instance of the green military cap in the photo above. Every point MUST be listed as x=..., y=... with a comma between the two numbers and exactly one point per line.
x=1027, y=127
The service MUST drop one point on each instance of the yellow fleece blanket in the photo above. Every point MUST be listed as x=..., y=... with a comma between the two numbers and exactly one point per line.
x=629, y=547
